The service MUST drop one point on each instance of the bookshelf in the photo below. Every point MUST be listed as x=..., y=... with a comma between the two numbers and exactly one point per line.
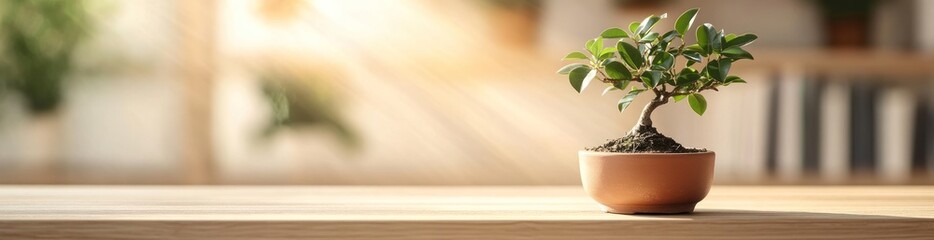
x=900, y=65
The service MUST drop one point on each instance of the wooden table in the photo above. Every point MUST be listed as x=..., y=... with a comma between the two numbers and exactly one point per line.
x=564, y=212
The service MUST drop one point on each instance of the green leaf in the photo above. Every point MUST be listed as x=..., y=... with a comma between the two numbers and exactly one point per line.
x=588, y=45
x=687, y=76
x=575, y=55
x=663, y=60
x=610, y=33
x=633, y=26
x=605, y=55
x=695, y=48
x=668, y=36
x=679, y=97
x=685, y=21
x=712, y=70
x=716, y=42
x=740, y=41
x=631, y=54
x=725, y=66
x=616, y=70
x=692, y=56
x=617, y=85
x=651, y=79
x=736, y=53
x=718, y=69
x=734, y=79
x=662, y=45
x=626, y=100
x=649, y=38
x=621, y=85
x=698, y=103
x=570, y=67
x=578, y=77
x=729, y=37
x=704, y=34
x=588, y=78
x=647, y=24
x=595, y=45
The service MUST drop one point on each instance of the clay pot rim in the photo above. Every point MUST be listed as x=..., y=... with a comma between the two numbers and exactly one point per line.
x=593, y=153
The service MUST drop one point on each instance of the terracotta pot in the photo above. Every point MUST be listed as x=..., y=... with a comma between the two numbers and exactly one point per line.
x=659, y=183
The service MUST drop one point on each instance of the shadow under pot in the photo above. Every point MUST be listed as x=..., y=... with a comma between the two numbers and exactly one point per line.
x=651, y=183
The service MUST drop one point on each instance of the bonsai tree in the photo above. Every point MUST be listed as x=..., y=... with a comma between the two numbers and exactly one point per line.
x=646, y=61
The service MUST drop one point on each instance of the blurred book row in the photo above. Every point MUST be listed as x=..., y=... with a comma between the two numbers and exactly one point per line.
x=848, y=129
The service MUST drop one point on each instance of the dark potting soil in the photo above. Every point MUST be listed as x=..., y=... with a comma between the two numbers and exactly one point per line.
x=645, y=140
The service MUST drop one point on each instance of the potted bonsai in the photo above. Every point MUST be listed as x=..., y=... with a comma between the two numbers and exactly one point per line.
x=38, y=40
x=645, y=171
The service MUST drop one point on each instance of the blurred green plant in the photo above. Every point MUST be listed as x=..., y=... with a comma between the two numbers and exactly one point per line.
x=297, y=102
x=649, y=60
x=37, y=41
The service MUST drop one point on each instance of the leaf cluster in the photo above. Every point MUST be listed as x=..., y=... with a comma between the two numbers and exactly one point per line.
x=661, y=63
x=37, y=42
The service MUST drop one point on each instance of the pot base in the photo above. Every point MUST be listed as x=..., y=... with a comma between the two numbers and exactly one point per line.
x=649, y=209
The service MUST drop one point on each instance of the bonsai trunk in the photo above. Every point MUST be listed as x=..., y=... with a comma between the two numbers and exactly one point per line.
x=645, y=138
x=645, y=119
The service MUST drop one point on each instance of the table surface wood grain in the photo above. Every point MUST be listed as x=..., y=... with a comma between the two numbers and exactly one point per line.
x=455, y=212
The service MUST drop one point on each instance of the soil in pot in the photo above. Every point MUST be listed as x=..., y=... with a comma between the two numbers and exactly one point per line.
x=644, y=140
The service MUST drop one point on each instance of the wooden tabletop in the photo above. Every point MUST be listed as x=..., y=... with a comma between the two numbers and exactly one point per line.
x=563, y=212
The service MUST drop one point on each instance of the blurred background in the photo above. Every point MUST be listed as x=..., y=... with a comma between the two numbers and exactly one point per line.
x=435, y=92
